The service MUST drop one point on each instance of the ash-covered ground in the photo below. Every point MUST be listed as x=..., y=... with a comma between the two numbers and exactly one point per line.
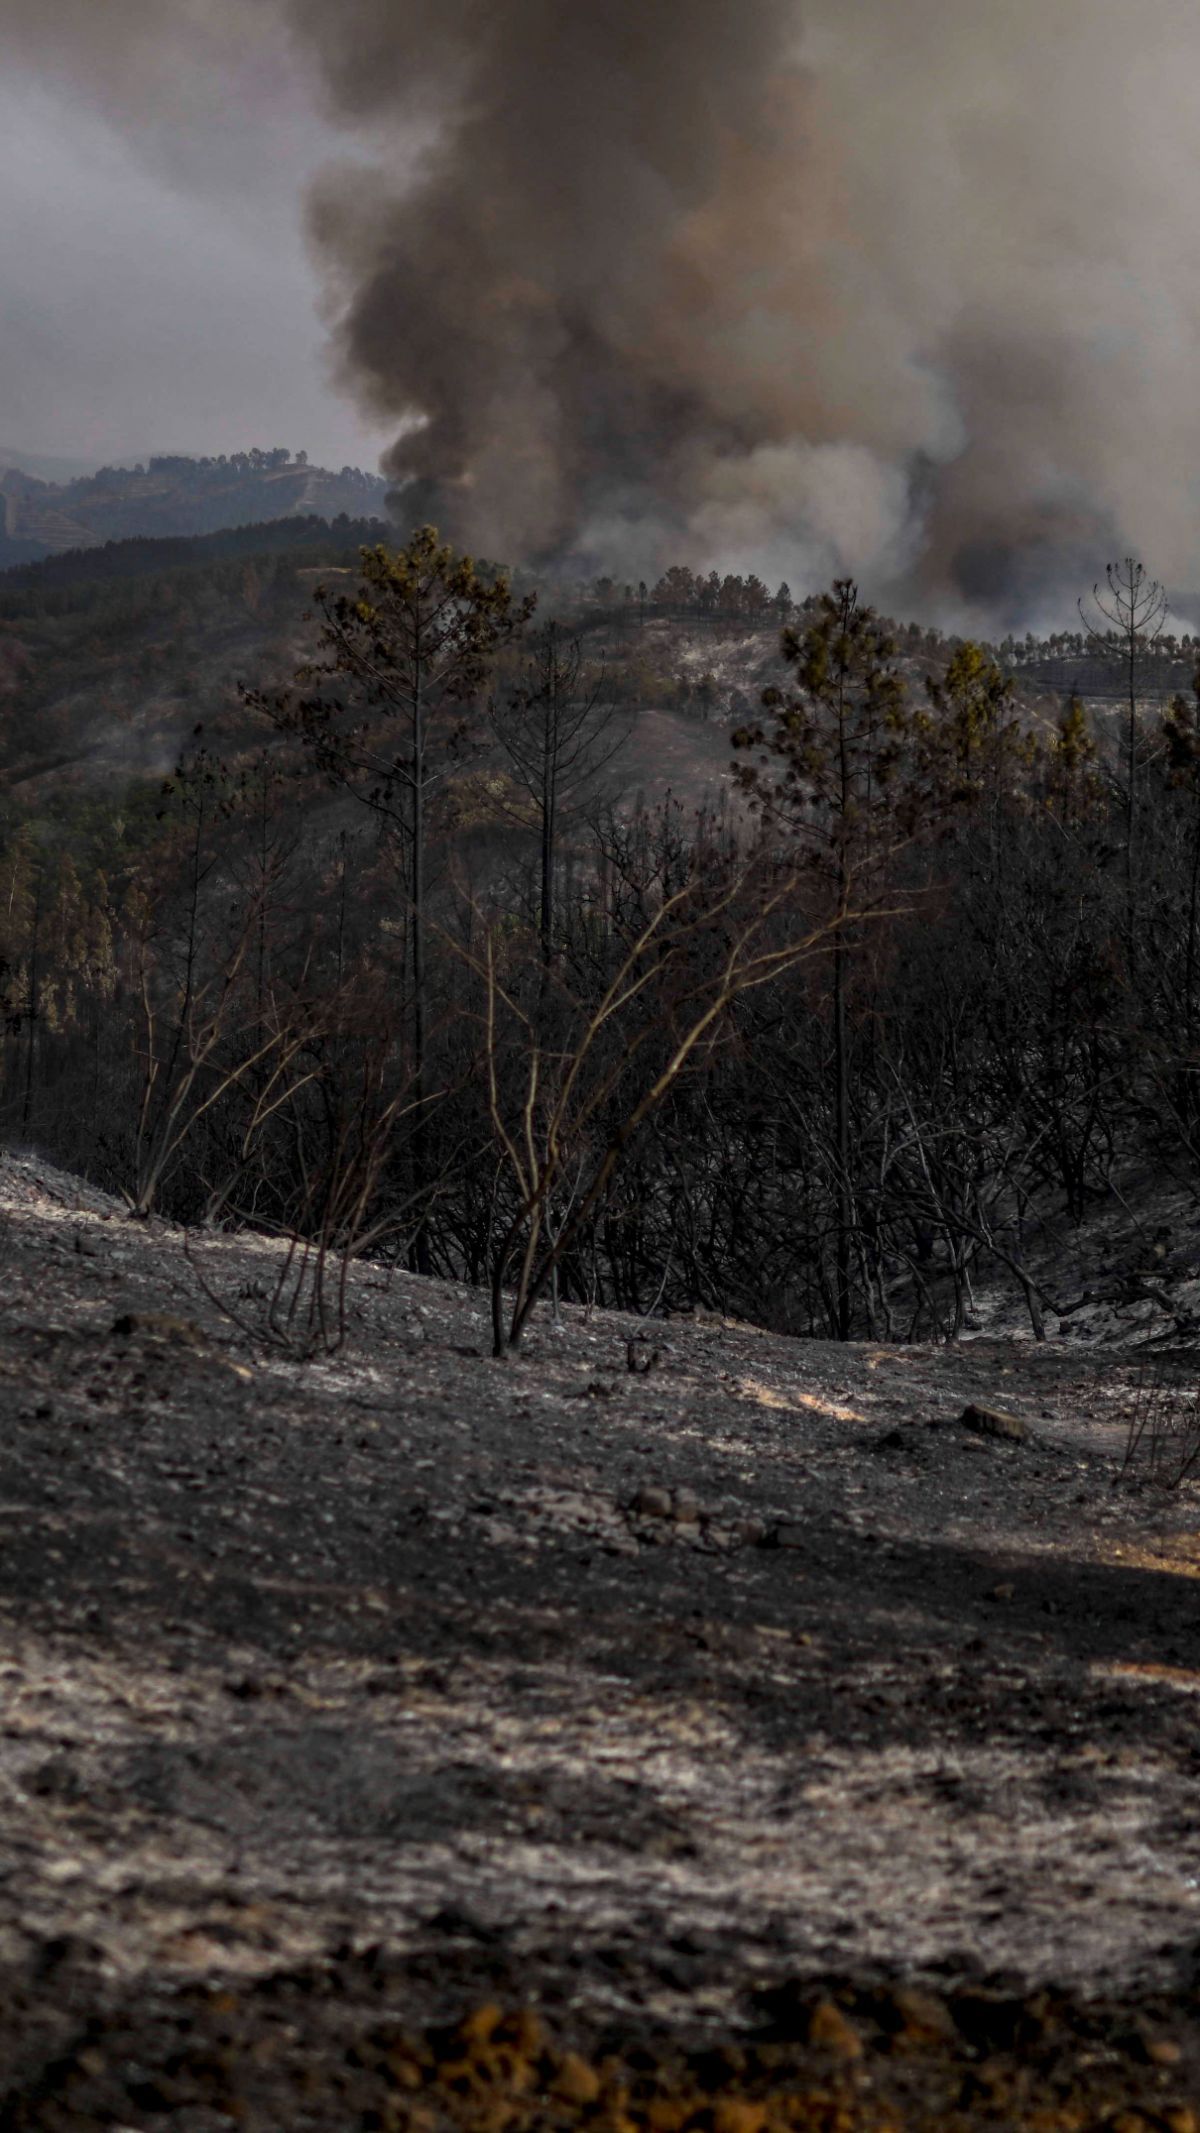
x=637, y=1696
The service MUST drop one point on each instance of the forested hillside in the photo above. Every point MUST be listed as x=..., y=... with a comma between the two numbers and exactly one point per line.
x=667, y=947
x=109, y=657
x=172, y=495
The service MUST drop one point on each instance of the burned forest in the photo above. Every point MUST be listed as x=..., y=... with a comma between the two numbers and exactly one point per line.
x=418, y=954
x=599, y=1068
x=602, y=1263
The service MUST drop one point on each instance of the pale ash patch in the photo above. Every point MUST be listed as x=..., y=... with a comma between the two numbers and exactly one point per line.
x=759, y=1658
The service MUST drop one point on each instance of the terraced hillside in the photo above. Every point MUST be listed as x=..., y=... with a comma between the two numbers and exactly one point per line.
x=172, y=496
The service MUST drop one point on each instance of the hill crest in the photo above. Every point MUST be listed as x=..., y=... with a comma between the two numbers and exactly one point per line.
x=173, y=495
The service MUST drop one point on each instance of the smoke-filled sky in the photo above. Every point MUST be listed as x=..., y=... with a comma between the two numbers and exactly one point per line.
x=789, y=284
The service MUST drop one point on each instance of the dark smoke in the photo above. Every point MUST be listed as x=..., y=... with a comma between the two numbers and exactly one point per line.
x=905, y=290
x=546, y=293
x=910, y=291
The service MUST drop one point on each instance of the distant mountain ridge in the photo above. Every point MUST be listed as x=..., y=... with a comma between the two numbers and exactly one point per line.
x=52, y=466
x=173, y=496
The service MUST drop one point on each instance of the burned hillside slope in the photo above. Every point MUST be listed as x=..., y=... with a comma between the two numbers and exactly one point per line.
x=674, y=1702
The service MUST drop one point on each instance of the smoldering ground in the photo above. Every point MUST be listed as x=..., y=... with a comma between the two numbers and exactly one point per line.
x=906, y=292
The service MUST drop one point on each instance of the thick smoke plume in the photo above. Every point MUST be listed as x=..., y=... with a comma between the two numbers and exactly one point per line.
x=910, y=291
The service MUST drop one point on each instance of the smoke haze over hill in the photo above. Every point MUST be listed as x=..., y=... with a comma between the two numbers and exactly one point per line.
x=906, y=292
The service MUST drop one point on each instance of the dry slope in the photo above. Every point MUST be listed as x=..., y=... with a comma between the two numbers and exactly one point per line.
x=666, y=1700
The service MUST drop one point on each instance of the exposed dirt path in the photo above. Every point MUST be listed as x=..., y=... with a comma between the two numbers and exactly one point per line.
x=629, y=1696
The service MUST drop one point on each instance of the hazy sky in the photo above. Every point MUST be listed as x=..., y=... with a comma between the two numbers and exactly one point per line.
x=157, y=291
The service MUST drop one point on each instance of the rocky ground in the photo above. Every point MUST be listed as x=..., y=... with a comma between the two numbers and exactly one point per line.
x=712, y=1723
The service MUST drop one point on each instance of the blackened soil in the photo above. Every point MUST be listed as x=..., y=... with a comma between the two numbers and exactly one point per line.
x=755, y=1735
